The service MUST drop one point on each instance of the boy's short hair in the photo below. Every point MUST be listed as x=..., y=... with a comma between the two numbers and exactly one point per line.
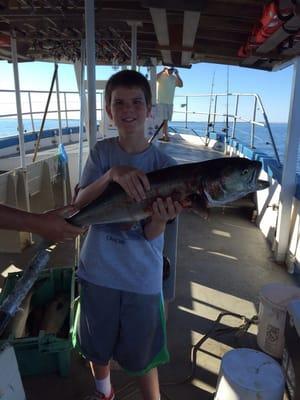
x=128, y=78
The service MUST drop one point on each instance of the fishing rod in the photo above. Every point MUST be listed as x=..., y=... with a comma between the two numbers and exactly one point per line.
x=226, y=129
x=156, y=133
x=209, y=124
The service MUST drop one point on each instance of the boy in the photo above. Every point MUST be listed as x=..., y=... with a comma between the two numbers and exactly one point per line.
x=121, y=269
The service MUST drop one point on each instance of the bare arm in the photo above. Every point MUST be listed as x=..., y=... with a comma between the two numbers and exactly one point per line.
x=162, y=213
x=132, y=180
x=50, y=225
x=91, y=192
x=179, y=82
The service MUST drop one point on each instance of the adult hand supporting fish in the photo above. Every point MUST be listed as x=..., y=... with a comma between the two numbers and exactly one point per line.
x=199, y=186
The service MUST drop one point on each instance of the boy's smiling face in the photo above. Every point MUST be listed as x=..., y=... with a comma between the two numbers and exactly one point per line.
x=128, y=110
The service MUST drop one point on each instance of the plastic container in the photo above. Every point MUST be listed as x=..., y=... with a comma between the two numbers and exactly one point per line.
x=247, y=374
x=291, y=353
x=274, y=299
x=45, y=352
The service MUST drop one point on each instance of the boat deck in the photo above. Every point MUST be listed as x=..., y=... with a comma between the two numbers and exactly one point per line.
x=222, y=264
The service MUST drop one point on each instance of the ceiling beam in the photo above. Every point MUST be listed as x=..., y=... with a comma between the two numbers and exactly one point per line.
x=159, y=18
x=190, y=27
x=191, y=5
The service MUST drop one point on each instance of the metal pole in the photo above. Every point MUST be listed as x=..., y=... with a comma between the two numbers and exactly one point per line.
x=82, y=107
x=209, y=108
x=30, y=109
x=235, y=116
x=269, y=129
x=252, y=135
x=153, y=83
x=186, y=110
x=18, y=101
x=37, y=144
x=66, y=111
x=215, y=111
x=91, y=76
x=14, y=56
x=134, y=25
x=133, y=46
x=60, y=138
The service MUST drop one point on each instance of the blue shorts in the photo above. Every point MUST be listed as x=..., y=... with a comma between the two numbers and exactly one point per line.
x=128, y=327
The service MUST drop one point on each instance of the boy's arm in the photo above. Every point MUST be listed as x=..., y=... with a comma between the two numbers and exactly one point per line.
x=92, y=191
x=133, y=181
x=162, y=213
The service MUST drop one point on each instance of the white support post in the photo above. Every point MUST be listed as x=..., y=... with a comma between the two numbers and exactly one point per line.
x=153, y=84
x=60, y=138
x=133, y=45
x=14, y=56
x=82, y=107
x=18, y=101
x=91, y=75
x=288, y=184
x=134, y=25
x=30, y=109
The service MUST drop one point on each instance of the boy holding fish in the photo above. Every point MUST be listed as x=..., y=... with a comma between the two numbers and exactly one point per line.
x=120, y=267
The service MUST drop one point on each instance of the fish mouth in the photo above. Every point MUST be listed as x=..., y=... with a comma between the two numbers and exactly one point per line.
x=257, y=183
x=253, y=178
x=261, y=185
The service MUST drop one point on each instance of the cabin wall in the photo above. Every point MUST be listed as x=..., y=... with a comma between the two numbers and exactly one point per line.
x=267, y=202
x=44, y=185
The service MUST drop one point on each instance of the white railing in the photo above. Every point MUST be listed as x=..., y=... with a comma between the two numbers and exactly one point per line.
x=230, y=108
x=34, y=102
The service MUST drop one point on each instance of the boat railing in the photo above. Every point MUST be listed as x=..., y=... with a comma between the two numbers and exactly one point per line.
x=33, y=102
x=214, y=112
x=224, y=111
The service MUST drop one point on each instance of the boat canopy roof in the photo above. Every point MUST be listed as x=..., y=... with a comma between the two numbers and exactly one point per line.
x=251, y=33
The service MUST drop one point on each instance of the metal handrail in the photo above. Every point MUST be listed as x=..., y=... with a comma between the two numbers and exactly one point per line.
x=63, y=109
x=211, y=115
x=234, y=116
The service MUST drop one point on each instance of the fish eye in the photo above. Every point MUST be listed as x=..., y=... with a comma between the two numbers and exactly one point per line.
x=245, y=172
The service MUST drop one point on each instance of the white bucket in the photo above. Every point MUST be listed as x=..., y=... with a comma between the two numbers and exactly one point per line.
x=247, y=374
x=274, y=299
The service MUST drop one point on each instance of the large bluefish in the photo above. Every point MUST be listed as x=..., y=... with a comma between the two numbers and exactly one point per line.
x=197, y=185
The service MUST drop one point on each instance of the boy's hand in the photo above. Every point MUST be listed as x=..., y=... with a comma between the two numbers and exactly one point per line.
x=163, y=211
x=134, y=181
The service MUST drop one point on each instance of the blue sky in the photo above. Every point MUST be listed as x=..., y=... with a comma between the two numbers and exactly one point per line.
x=273, y=87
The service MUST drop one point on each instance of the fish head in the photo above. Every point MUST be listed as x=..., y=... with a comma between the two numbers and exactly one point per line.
x=232, y=179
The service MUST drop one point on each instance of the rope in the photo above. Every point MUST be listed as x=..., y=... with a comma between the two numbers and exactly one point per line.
x=240, y=331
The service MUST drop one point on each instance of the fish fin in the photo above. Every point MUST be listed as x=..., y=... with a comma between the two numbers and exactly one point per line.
x=199, y=205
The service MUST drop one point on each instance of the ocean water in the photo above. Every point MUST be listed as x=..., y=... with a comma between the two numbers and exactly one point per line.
x=262, y=141
x=9, y=126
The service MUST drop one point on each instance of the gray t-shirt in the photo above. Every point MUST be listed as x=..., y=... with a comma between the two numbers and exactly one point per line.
x=110, y=256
